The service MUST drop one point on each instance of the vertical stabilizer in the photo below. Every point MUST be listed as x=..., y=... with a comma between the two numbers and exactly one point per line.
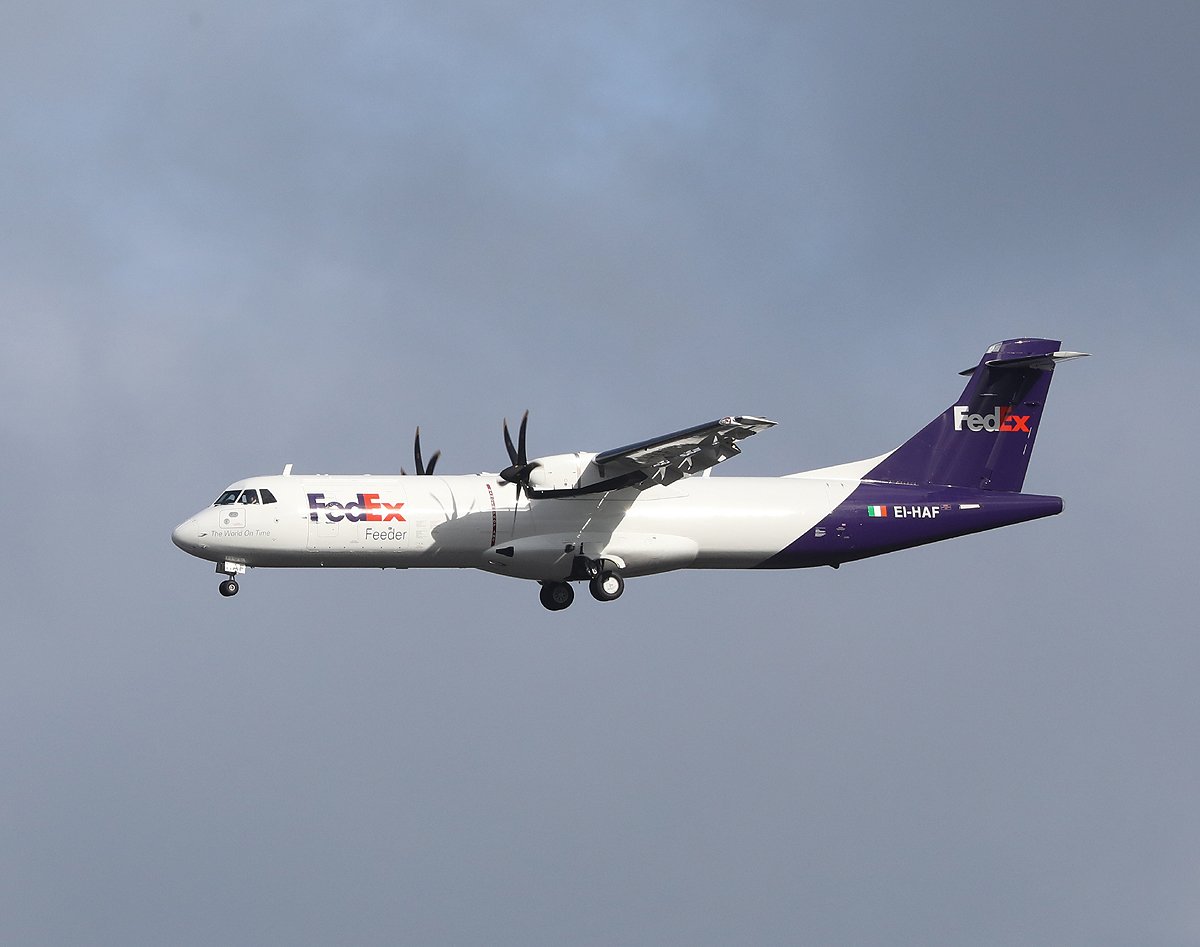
x=984, y=440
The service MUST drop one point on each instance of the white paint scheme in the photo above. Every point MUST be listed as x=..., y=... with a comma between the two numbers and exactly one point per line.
x=697, y=522
x=572, y=528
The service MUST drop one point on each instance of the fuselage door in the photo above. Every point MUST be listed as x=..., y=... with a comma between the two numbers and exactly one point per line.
x=322, y=534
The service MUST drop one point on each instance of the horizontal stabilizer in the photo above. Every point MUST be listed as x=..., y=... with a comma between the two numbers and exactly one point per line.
x=1040, y=362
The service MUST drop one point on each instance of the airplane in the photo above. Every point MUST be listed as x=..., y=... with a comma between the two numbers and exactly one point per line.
x=651, y=506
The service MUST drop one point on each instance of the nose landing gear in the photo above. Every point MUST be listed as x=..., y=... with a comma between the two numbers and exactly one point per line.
x=229, y=585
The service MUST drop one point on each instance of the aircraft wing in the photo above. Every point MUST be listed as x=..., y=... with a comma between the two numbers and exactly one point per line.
x=667, y=458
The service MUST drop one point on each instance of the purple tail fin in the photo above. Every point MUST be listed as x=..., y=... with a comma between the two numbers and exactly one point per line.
x=984, y=440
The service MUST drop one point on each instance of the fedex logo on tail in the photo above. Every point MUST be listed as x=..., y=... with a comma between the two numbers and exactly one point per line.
x=368, y=502
x=1002, y=420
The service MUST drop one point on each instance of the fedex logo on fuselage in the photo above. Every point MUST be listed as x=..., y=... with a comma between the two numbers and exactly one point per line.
x=373, y=511
x=1001, y=420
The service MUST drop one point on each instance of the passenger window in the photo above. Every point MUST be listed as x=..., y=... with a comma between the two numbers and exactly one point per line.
x=267, y=496
x=229, y=496
x=249, y=496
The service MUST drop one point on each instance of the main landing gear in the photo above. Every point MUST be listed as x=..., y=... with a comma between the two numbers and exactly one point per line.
x=556, y=595
x=604, y=584
x=228, y=587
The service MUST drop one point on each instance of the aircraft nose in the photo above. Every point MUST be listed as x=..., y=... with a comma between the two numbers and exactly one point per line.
x=186, y=535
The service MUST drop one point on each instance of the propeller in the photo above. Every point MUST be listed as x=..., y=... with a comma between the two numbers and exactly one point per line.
x=521, y=467
x=422, y=470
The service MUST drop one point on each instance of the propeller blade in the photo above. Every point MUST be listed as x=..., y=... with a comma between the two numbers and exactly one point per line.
x=518, y=471
x=523, y=458
x=508, y=444
x=423, y=470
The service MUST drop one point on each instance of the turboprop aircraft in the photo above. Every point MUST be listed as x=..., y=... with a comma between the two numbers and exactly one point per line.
x=651, y=506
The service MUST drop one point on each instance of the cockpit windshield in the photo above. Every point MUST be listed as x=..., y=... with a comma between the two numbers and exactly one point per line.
x=244, y=496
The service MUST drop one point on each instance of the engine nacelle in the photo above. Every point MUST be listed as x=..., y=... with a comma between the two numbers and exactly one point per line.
x=564, y=472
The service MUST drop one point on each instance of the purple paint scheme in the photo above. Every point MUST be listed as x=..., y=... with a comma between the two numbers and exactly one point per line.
x=960, y=474
x=963, y=447
x=851, y=532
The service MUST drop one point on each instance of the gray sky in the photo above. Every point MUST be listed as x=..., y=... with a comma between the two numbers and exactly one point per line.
x=236, y=236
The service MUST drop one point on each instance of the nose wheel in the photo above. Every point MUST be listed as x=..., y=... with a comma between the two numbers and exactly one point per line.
x=229, y=586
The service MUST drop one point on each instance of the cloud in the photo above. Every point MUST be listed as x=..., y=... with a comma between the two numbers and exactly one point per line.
x=239, y=236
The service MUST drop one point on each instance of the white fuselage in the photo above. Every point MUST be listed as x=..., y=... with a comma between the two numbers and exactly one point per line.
x=478, y=521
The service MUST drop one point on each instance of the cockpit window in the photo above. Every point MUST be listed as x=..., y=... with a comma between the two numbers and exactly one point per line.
x=244, y=496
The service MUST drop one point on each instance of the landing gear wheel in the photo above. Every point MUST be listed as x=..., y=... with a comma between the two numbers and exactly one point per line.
x=606, y=586
x=556, y=595
x=228, y=587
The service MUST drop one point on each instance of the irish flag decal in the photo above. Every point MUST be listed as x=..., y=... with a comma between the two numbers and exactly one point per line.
x=876, y=511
